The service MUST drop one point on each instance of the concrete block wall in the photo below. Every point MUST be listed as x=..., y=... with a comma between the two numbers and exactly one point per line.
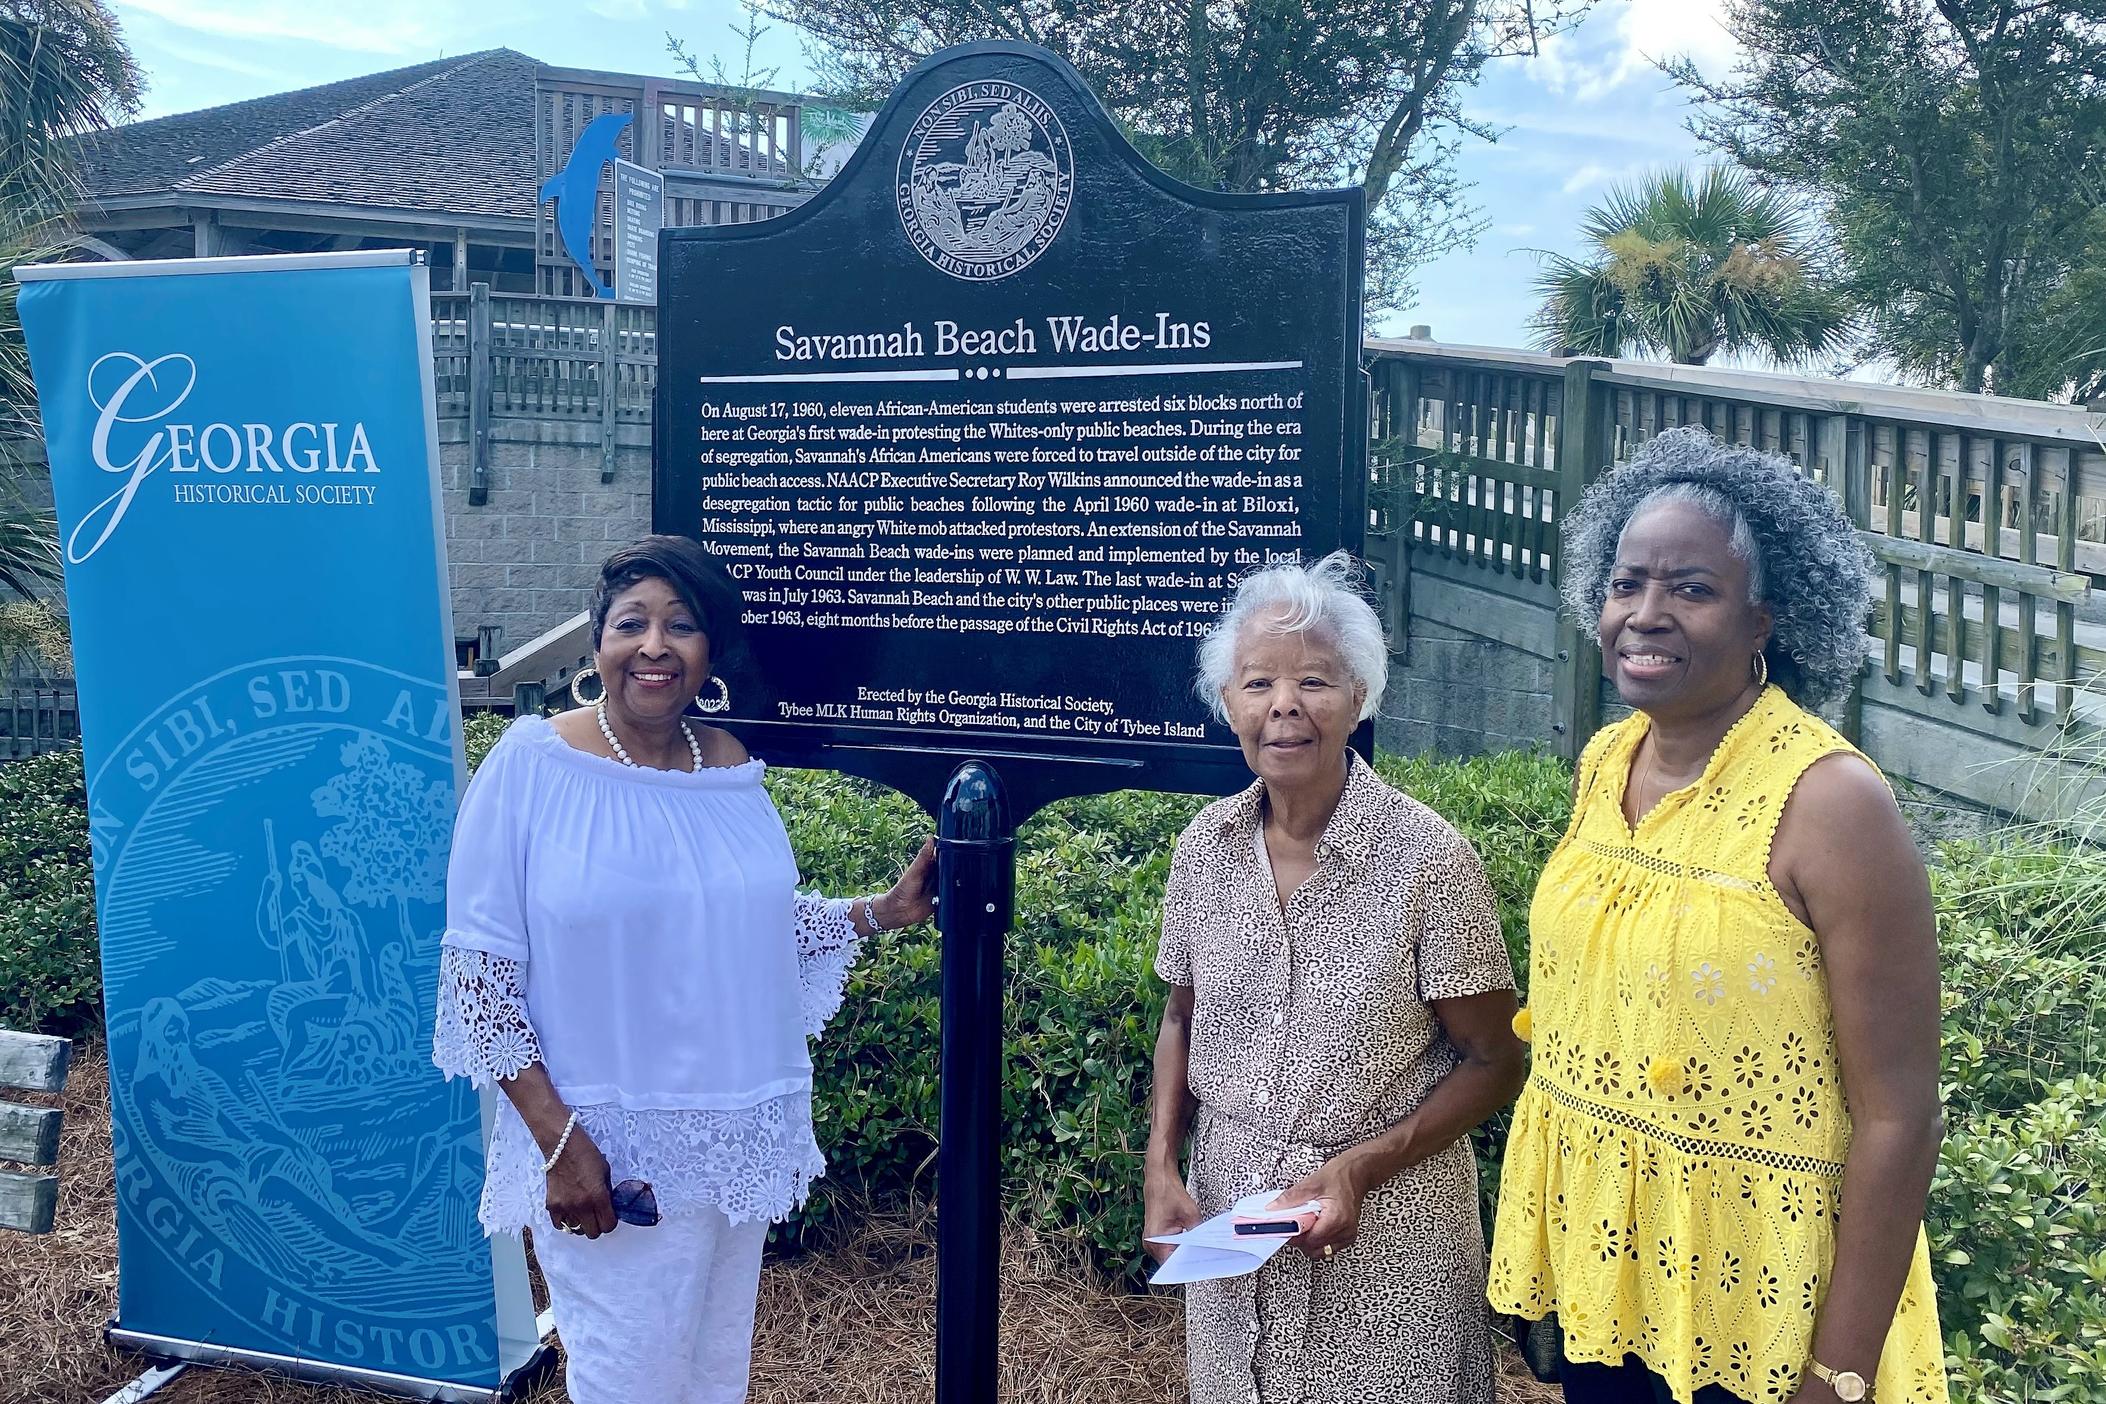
x=526, y=558
x=1456, y=693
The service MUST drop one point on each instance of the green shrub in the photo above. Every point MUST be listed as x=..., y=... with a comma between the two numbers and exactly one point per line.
x=479, y=732
x=50, y=968
x=2018, y=1207
x=2017, y=1216
x=1082, y=1002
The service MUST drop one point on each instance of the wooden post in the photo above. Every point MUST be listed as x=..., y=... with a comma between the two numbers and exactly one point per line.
x=610, y=386
x=1848, y=457
x=1403, y=482
x=478, y=394
x=528, y=698
x=1582, y=455
x=460, y=260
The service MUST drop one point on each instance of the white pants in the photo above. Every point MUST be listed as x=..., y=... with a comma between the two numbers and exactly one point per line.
x=659, y=1315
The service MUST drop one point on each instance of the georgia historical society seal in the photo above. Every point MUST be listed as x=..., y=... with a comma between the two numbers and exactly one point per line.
x=286, y=1154
x=986, y=175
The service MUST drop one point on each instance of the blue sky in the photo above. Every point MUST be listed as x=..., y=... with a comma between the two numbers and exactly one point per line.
x=1589, y=111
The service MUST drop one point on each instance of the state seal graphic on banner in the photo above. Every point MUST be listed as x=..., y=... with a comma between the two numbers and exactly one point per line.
x=262, y=1105
x=986, y=175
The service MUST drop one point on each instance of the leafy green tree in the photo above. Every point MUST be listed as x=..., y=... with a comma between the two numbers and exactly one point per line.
x=2060, y=349
x=1958, y=148
x=1686, y=269
x=1244, y=95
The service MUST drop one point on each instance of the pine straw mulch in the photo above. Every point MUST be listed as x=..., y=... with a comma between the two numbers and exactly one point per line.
x=852, y=1323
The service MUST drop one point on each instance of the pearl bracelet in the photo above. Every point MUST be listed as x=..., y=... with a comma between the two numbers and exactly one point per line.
x=561, y=1141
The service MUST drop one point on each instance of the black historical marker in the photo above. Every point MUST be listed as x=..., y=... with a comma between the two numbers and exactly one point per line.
x=987, y=431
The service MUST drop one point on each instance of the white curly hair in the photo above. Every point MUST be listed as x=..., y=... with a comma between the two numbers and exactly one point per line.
x=1290, y=597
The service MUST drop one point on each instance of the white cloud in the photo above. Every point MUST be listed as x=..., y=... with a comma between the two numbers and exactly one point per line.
x=1569, y=123
x=1588, y=63
x=381, y=26
x=1593, y=173
x=1695, y=29
x=1516, y=231
x=165, y=41
x=634, y=9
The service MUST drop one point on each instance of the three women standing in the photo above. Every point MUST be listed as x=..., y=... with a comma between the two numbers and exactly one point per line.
x=1716, y=1175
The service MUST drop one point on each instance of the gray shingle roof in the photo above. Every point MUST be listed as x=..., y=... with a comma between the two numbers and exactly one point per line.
x=454, y=135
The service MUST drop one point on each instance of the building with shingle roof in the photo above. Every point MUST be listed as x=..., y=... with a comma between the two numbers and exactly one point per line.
x=450, y=155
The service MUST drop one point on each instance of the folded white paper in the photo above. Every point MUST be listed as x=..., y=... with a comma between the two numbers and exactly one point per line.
x=1214, y=1249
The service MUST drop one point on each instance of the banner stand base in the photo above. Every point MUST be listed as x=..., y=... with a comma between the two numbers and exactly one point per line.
x=537, y=1366
x=148, y=1382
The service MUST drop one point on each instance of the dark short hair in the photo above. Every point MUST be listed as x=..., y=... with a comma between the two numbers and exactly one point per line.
x=700, y=580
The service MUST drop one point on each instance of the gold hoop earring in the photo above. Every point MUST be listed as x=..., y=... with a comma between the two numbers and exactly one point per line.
x=720, y=703
x=1762, y=670
x=580, y=698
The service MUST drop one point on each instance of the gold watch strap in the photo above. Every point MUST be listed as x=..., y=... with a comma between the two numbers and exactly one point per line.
x=1828, y=1377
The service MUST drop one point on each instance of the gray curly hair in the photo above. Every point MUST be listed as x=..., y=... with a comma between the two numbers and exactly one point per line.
x=1804, y=559
x=1289, y=597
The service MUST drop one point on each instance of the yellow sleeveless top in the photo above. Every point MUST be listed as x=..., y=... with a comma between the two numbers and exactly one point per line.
x=1671, y=1187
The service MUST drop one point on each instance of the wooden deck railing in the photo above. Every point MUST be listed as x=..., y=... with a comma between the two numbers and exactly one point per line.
x=35, y=719
x=511, y=356
x=1987, y=517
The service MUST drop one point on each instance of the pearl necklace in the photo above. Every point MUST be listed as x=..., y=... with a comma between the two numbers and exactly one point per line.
x=621, y=752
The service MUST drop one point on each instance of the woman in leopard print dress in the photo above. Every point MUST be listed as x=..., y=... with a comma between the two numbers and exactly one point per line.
x=1339, y=1018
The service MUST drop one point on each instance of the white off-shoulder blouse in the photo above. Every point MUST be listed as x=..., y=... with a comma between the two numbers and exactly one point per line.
x=638, y=931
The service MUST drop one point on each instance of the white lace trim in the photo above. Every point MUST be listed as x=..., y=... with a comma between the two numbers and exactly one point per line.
x=756, y=1162
x=751, y=1163
x=827, y=946
x=482, y=1032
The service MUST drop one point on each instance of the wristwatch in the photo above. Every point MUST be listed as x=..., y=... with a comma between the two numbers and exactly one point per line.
x=1849, y=1385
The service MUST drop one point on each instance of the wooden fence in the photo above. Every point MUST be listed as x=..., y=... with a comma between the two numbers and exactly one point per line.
x=1987, y=517
x=34, y=720
x=510, y=356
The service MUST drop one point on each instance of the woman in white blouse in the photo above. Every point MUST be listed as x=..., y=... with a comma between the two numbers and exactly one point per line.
x=626, y=956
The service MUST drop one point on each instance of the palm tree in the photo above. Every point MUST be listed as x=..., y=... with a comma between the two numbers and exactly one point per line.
x=28, y=534
x=1688, y=268
x=64, y=72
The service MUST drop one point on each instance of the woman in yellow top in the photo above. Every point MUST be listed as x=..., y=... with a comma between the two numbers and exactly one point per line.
x=1717, y=1171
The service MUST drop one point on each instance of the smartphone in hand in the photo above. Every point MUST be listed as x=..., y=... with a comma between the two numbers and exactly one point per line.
x=1281, y=1223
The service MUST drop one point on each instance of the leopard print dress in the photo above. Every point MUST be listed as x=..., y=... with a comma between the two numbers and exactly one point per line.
x=1312, y=1031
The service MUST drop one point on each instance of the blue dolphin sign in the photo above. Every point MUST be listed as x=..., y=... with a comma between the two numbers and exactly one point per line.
x=576, y=191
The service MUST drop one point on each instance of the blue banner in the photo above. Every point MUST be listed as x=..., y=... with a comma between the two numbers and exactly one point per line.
x=244, y=462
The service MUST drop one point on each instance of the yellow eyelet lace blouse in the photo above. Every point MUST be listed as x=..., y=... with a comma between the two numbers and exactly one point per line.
x=1672, y=1182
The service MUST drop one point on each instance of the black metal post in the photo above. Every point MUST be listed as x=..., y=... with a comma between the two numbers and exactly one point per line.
x=976, y=881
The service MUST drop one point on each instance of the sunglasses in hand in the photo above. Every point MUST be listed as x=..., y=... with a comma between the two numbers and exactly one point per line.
x=635, y=1204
